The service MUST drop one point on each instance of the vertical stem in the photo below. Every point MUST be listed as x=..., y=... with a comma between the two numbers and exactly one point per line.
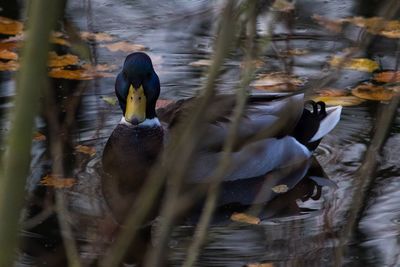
x=30, y=79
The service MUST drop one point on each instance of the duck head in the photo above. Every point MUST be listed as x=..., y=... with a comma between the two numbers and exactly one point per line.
x=137, y=88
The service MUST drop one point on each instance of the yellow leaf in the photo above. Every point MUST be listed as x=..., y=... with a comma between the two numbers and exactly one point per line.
x=9, y=65
x=8, y=55
x=9, y=26
x=111, y=100
x=387, y=77
x=201, y=63
x=345, y=101
x=283, y=6
x=277, y=81
x=98, y=37
x=359, y=64
x=86, y=150
x=124, y=47
x=244, y=218
x=279, y=189
x=62, y=61
x=259, y=265
x=39, y=137
x=57, y=181
x=373, y=92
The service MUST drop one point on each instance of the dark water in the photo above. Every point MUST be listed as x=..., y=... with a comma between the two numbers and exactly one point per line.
x=180, y=32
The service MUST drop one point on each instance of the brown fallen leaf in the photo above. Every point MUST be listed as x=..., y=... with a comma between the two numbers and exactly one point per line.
x=329, y=24
x=91, y=151
x=332, y=92
x=201, y=63
x=8, y=55
x=9, y=65
x=280, y=189
x=294, y=52
x=245, y=218
x=267, y=264
x=387, y=77
x=56, y=61
x=124, y=47
x=282, y=6
x=10, y=27
x=96, y=36
x=346, y=100
x=359, y=64
x=59, y=41
x=377, y=25
x=257, y=63
x=9, y=45
x=39, y=137
x=370, y=91
x=57, y=181
x=79, y=74
x=83, y=74
x=277, y=81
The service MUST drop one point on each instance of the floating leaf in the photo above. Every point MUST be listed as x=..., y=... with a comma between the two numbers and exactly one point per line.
x=9, y=65
x=124, y=47
x=277, y=81
x=57, y=181
x=98, y=37
x=79, y=74
x=259, y=265
x=86, y=150
x=257, y=63
x=244, y=218
x=345, y=101
x=377, y=25
x=8, y=55
x=9, y=45
x=387, y=77
x=111, y=100
x=59, y=41
x=329, y=24
x=39, y=137
x=279, y=189
x=373, y=92
x=359, y=64
x=9, y=26
x=283, y=6
x=201, y=63
x=62, y=61
x=294, y=52
x=333, y=92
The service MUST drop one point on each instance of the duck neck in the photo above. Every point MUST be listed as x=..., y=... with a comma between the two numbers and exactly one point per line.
x=153, y=122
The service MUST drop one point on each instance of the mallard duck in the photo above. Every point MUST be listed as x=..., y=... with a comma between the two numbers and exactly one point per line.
x=138, y=139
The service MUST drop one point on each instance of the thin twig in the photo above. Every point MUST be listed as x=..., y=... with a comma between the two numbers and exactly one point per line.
x=42, y=19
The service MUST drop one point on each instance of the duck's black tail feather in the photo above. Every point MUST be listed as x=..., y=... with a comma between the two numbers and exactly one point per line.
x=316, y=123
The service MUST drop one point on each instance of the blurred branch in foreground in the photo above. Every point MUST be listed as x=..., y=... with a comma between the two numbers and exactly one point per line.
x=31, y=78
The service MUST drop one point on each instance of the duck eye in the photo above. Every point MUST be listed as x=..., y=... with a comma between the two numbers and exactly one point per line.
x=139, y=98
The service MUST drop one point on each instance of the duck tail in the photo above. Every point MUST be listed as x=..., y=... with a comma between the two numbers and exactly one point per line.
x=314, y=125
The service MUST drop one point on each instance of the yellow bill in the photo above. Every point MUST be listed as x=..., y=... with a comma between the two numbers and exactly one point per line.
x=135, y=111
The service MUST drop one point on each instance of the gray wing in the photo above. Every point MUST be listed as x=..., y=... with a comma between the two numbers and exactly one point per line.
x=255, y=159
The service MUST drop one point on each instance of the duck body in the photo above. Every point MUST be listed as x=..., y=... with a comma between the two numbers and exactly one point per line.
x=280, y=156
